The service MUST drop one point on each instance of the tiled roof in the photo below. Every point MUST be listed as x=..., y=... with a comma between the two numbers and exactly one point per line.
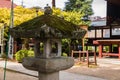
x=98, y=23
x=6, y=4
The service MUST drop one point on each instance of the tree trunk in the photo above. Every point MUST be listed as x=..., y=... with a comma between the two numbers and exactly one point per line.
x=53, y=3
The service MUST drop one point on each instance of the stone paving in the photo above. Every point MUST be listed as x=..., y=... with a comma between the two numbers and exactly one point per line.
x=14, y=66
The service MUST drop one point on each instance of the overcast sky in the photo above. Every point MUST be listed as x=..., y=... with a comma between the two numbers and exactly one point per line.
x=99, y=6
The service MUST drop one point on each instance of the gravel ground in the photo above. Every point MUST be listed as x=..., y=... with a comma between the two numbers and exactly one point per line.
x=105, y=71
x=10, y=75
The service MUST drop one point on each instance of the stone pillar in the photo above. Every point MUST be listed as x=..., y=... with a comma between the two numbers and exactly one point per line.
x=47, y=48
x=59, y=48
x=37, y=47
x=49, y=76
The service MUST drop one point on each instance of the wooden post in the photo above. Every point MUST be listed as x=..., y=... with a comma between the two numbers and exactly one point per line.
x=102, y=33
x=100, y=51
x=83, y=44
x=15, y=46
x=72, y=53
x=119, y=51
x=79, y=56
x=95, y=58
x=87, y=53
x=110, y=48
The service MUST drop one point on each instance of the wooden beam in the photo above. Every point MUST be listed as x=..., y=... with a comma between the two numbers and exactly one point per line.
x=116, y=2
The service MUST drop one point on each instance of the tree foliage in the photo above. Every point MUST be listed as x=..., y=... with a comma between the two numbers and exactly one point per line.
x=71, y=16
x=24, y=14
x=20, y=15
x=4, y=15
x=83, y=6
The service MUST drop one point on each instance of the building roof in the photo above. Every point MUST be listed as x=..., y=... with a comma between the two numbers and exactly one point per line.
x=98, y=23
x=6, y=4
x=107, y=41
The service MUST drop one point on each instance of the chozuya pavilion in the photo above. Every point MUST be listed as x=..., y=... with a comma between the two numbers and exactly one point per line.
x=48, y=29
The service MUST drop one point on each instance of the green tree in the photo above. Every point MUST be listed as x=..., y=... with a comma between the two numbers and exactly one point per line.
x=83, y=6
x=20, y=15
x=24, y=14
x=71, y=16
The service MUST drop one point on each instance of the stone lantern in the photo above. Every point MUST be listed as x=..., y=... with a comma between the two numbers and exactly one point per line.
x=48, y=29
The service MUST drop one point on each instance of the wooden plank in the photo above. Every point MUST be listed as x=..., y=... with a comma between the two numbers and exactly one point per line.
x=110, y=54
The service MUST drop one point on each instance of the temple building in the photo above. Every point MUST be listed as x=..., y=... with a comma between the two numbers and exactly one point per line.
x=105, y=34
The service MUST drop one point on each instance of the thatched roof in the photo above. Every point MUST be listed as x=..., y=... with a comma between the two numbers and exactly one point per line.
x=47, y=26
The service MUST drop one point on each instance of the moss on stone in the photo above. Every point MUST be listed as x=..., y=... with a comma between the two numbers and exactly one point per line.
x=32, y=27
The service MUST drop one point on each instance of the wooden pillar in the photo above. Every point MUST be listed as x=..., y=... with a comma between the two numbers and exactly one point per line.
x=110, y=31
x=83, y=44
x=119, y=51
x=102, y=33
x=15, y=46
x=95, y=58
x=95, y=48
x=95, y=33
x=110, y=48
x=87, y=53
x=100, y=51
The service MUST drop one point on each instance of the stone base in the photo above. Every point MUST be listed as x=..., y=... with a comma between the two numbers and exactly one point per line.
x=49, y=76
x=48, y=65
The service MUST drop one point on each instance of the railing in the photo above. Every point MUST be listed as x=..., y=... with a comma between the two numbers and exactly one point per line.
x=83, y=57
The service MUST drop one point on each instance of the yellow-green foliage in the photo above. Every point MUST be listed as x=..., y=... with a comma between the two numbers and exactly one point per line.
x=64, y=54
x=20, y=15
x=71, y=16
x=4, y=15
x=22, y=54
x=24, y=14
